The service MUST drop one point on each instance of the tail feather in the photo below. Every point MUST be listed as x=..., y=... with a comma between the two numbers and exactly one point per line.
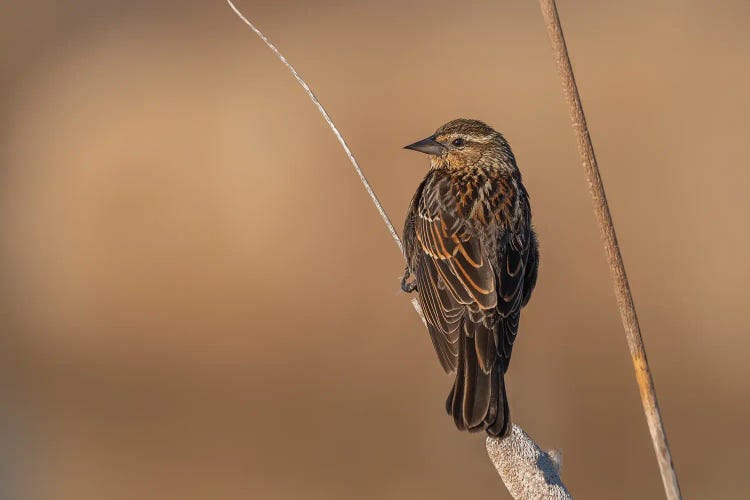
x=457, y=393
x=477, y=402
x=499, y=423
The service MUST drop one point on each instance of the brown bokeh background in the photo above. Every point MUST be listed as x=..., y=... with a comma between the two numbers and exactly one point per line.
x=199, y=301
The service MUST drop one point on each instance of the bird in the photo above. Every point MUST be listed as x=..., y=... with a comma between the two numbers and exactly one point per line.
x=472, y=256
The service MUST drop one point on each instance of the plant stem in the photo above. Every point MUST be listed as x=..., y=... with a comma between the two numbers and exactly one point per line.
x=612, y=249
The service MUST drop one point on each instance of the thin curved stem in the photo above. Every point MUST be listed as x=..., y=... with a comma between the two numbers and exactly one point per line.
x=327, y=118
x=329, y=121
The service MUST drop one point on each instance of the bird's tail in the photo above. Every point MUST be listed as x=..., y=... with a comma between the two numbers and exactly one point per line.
x=477, y=401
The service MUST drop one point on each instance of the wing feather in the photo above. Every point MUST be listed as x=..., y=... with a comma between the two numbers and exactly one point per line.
x=463, y=278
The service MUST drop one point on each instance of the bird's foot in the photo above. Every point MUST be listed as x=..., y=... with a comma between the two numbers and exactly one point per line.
x=406, y=285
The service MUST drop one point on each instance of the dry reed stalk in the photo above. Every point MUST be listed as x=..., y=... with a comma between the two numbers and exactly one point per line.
x=612, y=249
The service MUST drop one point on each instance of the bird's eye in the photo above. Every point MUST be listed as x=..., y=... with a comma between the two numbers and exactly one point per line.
x=458, y=142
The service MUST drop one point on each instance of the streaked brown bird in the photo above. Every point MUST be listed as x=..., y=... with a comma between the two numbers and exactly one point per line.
x=472, y=257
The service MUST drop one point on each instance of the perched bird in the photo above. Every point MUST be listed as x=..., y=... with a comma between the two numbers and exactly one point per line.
x=472, y=256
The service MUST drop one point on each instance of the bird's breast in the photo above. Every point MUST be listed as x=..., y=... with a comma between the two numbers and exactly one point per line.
x=485, y=198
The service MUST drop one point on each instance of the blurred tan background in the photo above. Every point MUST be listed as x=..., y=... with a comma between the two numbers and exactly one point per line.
x=199, y=301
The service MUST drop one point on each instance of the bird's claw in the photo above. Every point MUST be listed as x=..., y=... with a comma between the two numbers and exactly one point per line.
x=407, y=286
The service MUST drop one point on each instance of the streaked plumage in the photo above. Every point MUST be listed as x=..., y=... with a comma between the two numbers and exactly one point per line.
x=473, y=256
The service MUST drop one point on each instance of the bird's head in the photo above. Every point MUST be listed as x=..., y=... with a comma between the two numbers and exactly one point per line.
x=464, y=143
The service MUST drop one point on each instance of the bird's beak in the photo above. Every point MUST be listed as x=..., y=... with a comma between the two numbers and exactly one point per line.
x=428, y=146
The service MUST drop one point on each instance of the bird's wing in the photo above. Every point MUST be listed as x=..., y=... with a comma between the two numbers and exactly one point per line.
x=517, y=264
x=454, y=273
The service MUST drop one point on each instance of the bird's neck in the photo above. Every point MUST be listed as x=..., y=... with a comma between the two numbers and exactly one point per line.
x=483, y=168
